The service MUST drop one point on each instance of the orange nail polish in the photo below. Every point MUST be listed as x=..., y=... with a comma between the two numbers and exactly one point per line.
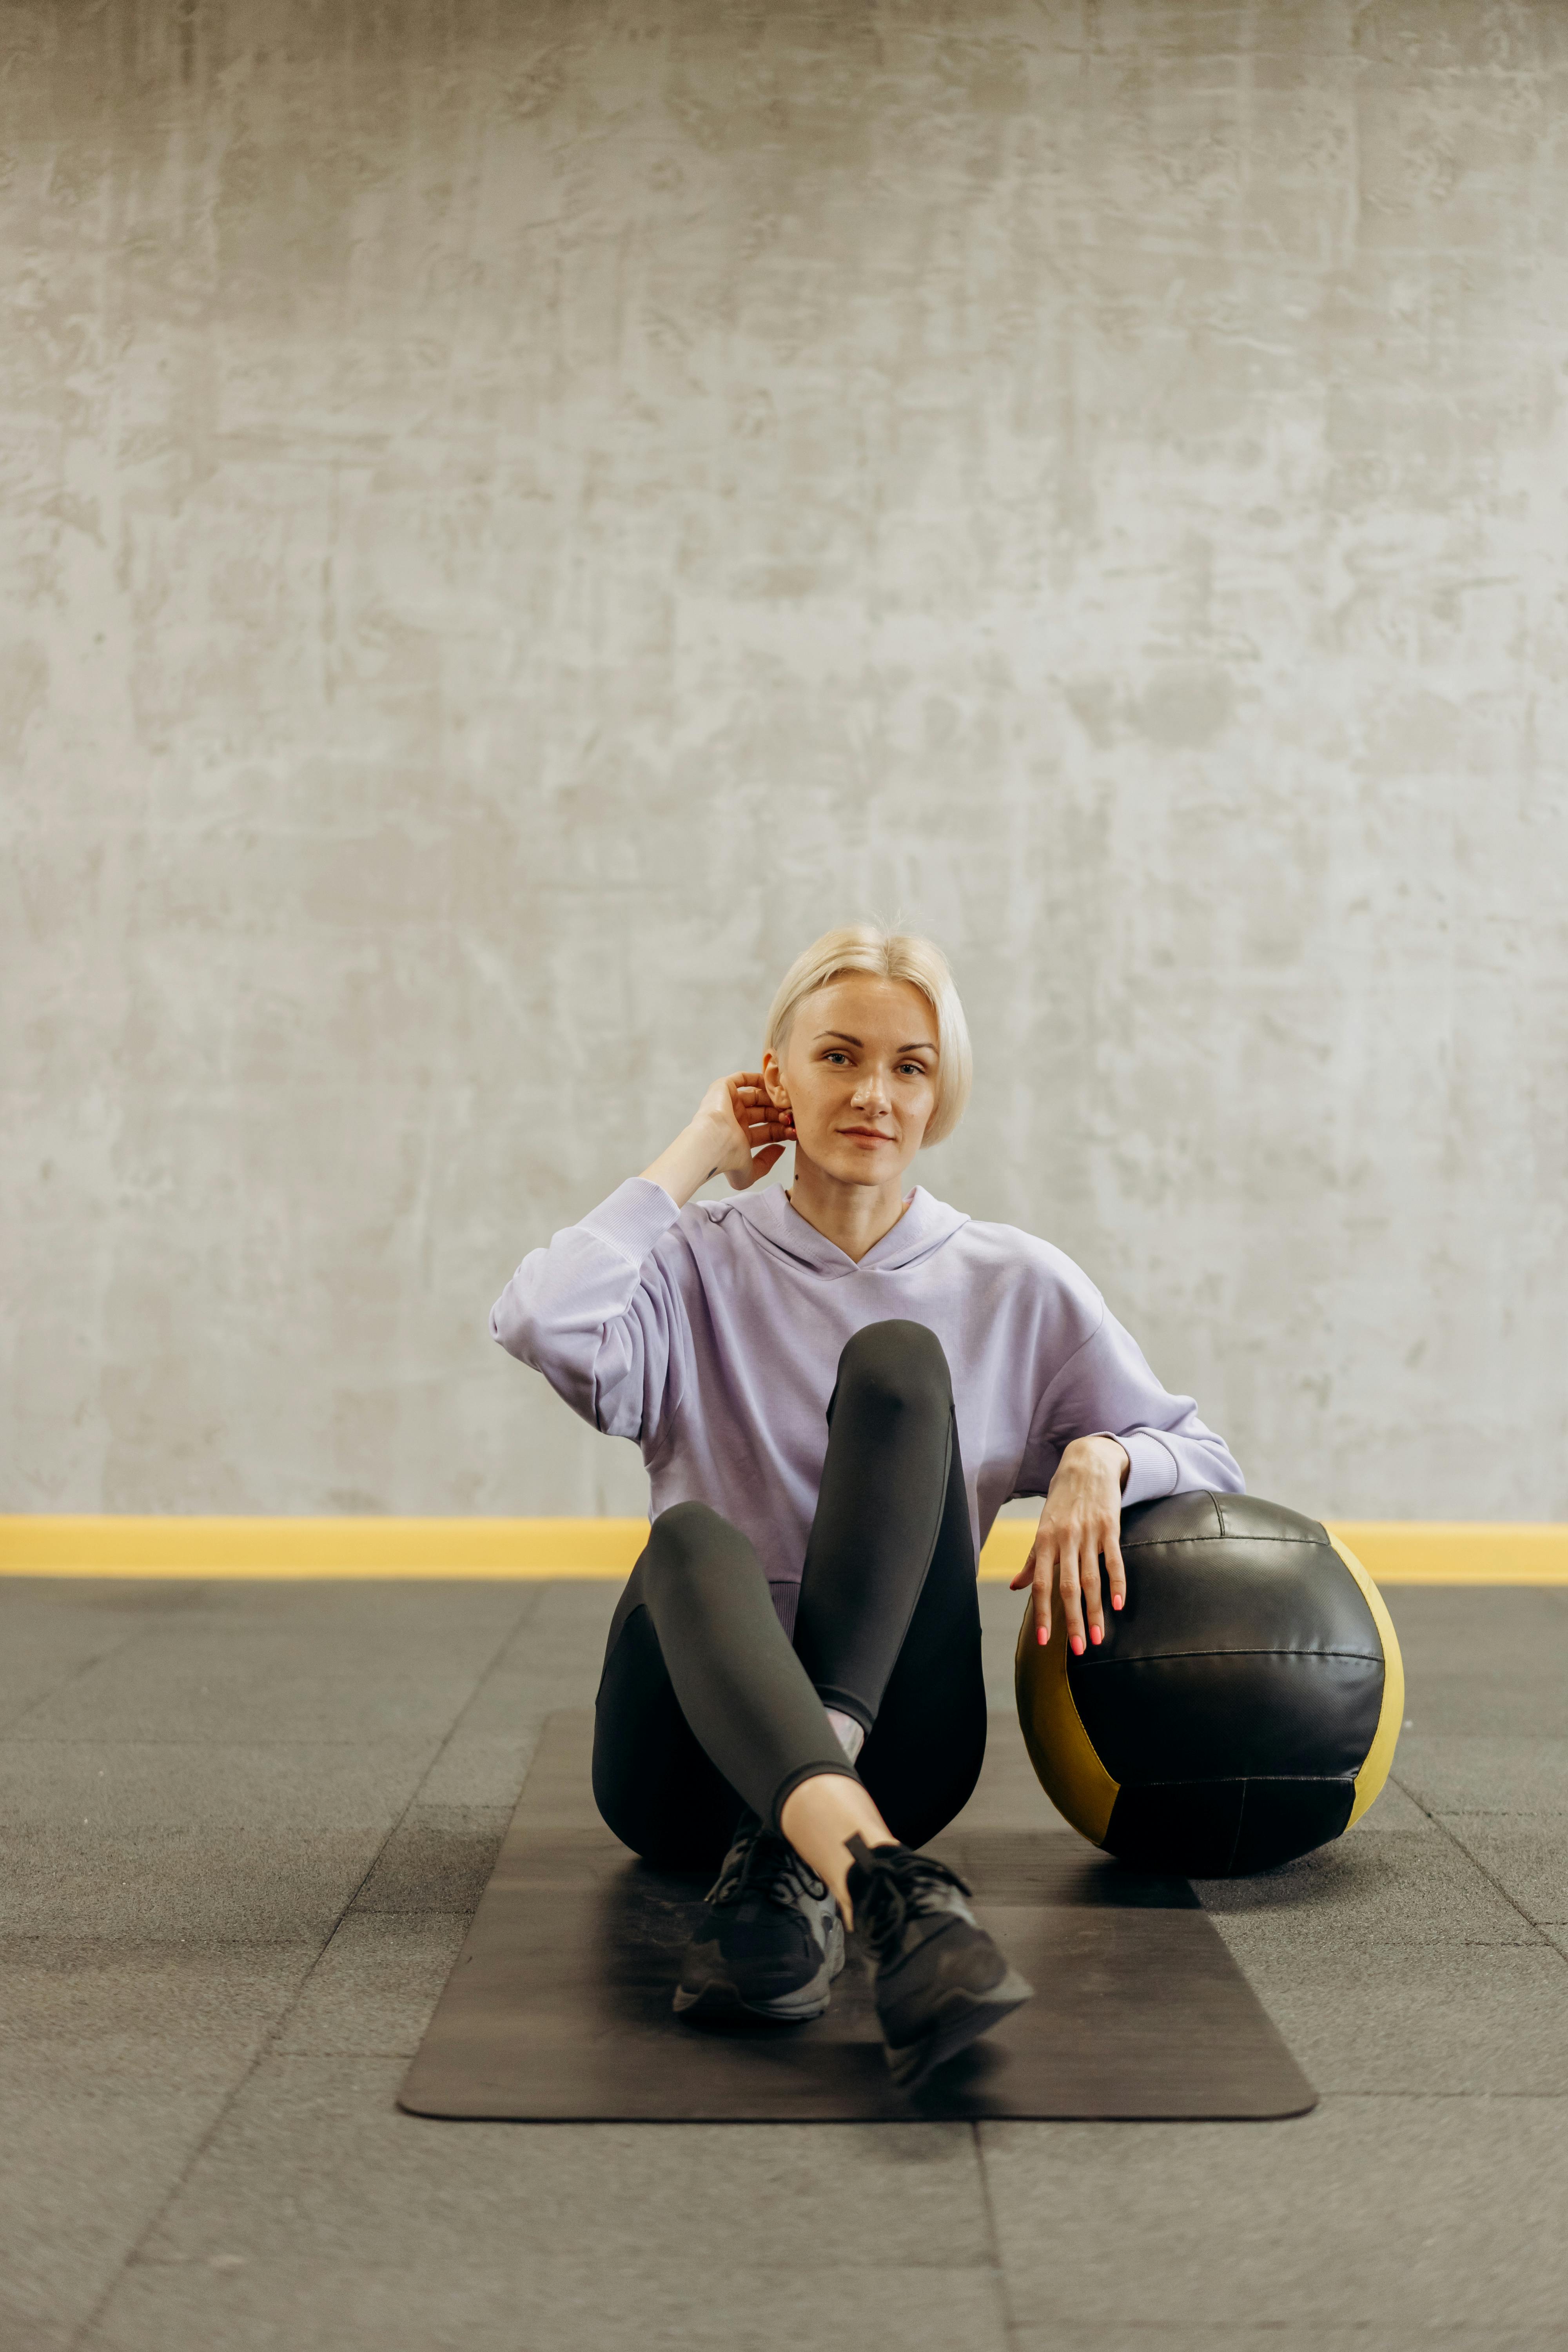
x=1096, y=1636
x=1040, y=1635
x=1116, y=1600
x=1077, y=1645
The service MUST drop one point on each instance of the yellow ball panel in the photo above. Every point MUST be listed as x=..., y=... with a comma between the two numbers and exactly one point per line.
x=1066, y=1762
x=1369, y=1781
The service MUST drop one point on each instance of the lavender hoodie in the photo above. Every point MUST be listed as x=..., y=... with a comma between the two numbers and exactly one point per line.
x=710, y=1336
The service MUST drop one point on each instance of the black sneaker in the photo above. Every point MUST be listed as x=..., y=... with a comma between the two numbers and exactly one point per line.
x=940, y=1980
x=771, y=1941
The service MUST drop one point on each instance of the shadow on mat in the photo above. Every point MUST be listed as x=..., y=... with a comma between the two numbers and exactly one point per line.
x=646, y=1917
x=1035, y=1866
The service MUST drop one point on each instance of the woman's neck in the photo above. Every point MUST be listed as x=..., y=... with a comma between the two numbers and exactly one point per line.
x=853, y=1217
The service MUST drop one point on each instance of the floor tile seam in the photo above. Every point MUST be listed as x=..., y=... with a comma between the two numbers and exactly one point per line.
x=378, y=1739
x=1258, y=1952
x=400, y=2057
x=410, y=1911
x=368, y=1911
x=130, y=1947
x=1500, y=1814
x=529, y=1602
x=113, y=1650
x=1012, y=2328
x=1310, y=2336
x=139, y=1948
x=1539, y=1925
x=1478, y=1867
x=1326, y=2099
x=769, y=2272
x=1420, y=2098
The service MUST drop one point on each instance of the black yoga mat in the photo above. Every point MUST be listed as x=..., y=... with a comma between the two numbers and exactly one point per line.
x=558, y=2007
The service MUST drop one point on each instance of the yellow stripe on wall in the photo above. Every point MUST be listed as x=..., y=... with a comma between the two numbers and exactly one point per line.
x=1393, y=1551
x=46, y=1546
x=1459, y=1551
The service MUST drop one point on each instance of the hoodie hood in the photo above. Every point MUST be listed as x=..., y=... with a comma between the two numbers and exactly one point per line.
x=925, y=1227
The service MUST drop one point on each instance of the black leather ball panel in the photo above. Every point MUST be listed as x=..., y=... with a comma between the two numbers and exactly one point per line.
x=1225, y=1715
x=1236, y=1697
x=1225, y=1829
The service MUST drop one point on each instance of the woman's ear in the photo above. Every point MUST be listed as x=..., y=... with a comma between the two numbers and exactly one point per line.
x=773, y=1080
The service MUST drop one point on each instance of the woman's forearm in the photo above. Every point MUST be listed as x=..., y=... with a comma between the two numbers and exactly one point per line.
x=684, y=1166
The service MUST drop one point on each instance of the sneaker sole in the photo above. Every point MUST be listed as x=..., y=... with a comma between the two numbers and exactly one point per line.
x=968, y=2016
x=720, y=1997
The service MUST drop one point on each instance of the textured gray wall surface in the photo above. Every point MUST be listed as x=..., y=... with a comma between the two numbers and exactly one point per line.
x=517, y=515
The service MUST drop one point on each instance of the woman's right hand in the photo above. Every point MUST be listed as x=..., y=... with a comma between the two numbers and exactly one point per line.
x=750, y=1133
x=736, y=1129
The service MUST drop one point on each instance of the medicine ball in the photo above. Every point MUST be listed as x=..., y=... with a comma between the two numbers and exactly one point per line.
x=1244, y=1705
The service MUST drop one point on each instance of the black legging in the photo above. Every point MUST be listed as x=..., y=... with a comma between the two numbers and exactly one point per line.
x=703, y=1706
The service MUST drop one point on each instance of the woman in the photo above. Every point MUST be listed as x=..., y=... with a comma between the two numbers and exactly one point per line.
x=834, y=1388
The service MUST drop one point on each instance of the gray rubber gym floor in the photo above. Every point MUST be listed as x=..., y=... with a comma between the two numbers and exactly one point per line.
x=245, y=1825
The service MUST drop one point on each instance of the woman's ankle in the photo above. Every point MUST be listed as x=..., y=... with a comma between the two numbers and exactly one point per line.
x=819, y=1817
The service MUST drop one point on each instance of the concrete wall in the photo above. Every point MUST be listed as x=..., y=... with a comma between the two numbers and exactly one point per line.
x=516, y=514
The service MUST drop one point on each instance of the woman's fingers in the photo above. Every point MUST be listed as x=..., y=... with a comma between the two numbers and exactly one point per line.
x=742, y=1179
x=752, y=1104
x=764, y=1126
x=1069, y=1586
x=1079, y=1558
x=1076, y=1555
x=1036, y=1573
x=1115, y=1570
x=1044, y=1577
x=1089, y=1573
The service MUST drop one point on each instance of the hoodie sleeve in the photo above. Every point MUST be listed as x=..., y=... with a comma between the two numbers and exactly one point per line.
x=1106, y=1389
x=597, y=1314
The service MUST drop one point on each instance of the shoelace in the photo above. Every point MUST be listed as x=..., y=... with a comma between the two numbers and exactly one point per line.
x=761, y=1862
x=904, y=1886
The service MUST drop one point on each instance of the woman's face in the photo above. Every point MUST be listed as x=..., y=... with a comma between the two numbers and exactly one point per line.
x=858, y=1072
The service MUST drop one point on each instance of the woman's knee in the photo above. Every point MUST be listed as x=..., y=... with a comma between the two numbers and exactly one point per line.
x=689, y=1543
x=897, y=1364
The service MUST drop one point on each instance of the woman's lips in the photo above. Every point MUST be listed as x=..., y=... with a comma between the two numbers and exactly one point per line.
x=868, y=1134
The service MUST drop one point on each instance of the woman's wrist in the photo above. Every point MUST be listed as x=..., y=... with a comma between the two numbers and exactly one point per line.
x=684, y=1166
x=1101, y=1449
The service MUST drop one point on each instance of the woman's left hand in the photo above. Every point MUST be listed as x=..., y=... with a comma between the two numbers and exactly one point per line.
x=1080, y=1525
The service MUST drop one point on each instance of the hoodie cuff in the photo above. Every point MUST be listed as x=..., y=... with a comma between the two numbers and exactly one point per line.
x=637, y=1214
x=1153, y=1470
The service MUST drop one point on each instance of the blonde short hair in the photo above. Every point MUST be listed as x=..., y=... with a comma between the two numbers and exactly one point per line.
x=888, y=955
